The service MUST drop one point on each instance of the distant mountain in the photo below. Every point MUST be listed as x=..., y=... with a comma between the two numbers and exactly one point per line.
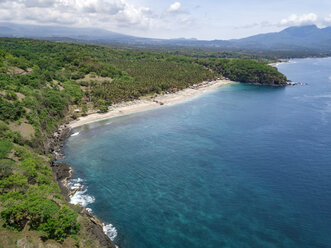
x=37, y=31
x=292, y=39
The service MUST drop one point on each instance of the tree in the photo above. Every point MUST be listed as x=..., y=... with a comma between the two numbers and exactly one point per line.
x=63, y=225
x=101, y=105
x=84, y=109
x=14, y=181
x=6, y=168
x=5, y=147
x=33, y=210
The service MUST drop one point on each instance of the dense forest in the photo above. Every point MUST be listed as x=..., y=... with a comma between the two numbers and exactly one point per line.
x=41, y=82
x=245, y=71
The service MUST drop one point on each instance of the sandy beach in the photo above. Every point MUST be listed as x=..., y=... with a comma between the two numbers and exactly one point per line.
x=135, y=106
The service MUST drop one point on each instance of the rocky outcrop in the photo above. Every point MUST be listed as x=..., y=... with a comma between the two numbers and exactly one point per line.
x=94, y=226
x=62, y=172
x=54, y=142
x=95, y=230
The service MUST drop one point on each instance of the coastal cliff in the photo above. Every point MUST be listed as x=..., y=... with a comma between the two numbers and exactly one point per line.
x=92, y=226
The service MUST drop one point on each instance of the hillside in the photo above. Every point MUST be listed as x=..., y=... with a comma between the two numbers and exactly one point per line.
x=41, y=84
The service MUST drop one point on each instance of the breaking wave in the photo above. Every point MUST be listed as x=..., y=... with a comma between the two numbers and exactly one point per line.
x=81, y=197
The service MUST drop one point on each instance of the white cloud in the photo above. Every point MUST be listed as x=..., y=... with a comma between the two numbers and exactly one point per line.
x=39, y=3
x=115, y=15
x=299, y=20
x=110, y=14
x=292, y=20
x=175, y=7
x=327, y=20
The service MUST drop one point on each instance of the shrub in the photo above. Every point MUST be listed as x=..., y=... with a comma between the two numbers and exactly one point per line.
x=101, y=105
x=73, y=90
x=54, y=102
x=33, y=208
x=62, y=226
x=3, y=129
x=84, y=109
x=84, y=83
x=10, y=111
x=6, y=168
x=11, y=95
x=13, y=182
x=5, y=147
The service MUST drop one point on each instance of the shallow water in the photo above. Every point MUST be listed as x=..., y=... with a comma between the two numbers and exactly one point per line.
x=242, y=166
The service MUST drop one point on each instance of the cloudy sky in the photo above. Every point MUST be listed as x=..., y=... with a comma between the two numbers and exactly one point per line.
x=207, y=19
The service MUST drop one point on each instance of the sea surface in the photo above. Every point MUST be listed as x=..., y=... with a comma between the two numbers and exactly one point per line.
x=242, y=166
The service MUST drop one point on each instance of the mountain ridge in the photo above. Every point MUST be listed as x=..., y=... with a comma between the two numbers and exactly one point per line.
x=296, y=38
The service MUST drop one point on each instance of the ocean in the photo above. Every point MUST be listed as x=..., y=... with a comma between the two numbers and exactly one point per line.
x=241, y=166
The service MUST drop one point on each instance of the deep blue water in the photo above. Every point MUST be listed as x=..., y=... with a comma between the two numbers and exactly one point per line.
x=242, y=166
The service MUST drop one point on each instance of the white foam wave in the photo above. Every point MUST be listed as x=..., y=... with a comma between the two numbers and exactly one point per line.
x=80, y=197
x=75, y=183
x=89, y=210
x=77, y=180
x=75, y=134
x=110, y=231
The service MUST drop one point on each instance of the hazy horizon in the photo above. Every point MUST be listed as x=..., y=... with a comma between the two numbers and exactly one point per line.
x=62, y=26
x=170, y=19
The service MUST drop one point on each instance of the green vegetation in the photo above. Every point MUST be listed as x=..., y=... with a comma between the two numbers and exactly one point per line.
x=246, y=71
x=10, y=111
x=5, y=147
x=41, y=85
x=28, y=198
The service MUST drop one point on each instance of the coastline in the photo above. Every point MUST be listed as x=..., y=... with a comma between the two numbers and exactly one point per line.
x=95, y=227
x=117, y=110
x=276, y=64
x=63, y=171
x=140, y=105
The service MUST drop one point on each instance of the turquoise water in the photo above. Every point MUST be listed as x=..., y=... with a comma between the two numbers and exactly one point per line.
x=242, y=166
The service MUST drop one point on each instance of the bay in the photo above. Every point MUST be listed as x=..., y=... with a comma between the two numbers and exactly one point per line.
x=242, y=166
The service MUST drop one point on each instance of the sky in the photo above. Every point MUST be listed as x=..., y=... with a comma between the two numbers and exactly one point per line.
x=206, y=20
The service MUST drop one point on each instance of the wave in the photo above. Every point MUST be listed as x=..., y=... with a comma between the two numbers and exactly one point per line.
x=110, y=231
x=81, y=198
x=89, y=210
x=75, y=134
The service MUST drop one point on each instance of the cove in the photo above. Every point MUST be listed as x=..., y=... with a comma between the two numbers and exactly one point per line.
x=242, y=166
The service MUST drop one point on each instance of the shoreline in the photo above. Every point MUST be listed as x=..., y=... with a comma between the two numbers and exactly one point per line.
x=117, y=110
x=276, y=64
x=131, y=107
x=98, y=229
x=63, y=172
